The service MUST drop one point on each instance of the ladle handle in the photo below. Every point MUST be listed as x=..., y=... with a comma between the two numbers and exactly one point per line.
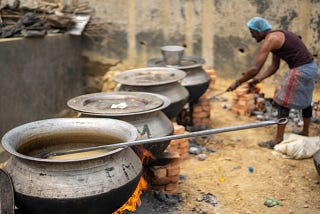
x=281, y=121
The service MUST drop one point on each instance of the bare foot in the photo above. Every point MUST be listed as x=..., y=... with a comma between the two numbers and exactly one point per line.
x=301, y=133
x=269, y=144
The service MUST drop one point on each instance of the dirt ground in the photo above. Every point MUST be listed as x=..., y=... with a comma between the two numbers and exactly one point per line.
x=241, y=175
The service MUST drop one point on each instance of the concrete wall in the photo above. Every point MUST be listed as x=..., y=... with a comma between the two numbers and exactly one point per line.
x=213, y=29
x=133, y=31
x=38, y=76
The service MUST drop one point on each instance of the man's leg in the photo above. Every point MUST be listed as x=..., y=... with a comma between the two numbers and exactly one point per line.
x=283, y=112
x=280, y=133
x=306, y=114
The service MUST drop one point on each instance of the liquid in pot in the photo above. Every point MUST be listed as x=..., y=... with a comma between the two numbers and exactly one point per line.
x=50, y=144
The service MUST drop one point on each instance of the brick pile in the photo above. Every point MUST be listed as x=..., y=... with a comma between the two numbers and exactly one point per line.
x=243, y=101
x=179, y=146
x=202, y=109
x=163, y=175
x=317, y=110
x=213, y=76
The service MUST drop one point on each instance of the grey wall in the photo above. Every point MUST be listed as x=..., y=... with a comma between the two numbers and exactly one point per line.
x=38, y=76
x=213, y=29
x=131, y=32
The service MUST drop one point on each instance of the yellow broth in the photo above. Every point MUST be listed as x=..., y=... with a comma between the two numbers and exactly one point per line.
x=79, y=155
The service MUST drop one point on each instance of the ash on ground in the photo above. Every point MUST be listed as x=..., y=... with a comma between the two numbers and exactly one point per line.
x=159, y=202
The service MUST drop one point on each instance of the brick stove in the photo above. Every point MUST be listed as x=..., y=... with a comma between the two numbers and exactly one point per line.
x=202, y=109
x=196, y=115
x=162, y=174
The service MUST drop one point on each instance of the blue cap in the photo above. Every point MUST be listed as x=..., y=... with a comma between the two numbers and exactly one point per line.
x=259, y=24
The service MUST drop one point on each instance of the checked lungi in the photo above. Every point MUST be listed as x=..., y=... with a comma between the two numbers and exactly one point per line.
x=297, y=87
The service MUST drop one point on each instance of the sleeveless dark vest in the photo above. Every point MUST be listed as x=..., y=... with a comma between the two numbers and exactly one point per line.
x=293, y=50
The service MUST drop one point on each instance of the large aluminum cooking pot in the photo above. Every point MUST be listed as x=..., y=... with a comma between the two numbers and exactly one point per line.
x=197, y=80
x=141, y=109
x=159, y=80
x=94, y=184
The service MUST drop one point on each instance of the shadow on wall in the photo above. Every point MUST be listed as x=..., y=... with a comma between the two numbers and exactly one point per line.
x=38, y=76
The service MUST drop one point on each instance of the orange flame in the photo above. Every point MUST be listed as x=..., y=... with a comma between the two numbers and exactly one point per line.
x=134, y=200
x=143, y=153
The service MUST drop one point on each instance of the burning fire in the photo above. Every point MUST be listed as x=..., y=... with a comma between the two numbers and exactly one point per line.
x=143, y=153
x=134, y=200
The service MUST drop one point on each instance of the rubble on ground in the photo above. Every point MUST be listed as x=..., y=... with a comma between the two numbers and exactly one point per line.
x=248, y=100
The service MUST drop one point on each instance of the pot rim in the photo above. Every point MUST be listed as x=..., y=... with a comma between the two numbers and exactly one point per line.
x=101, y=125
x=124, y=77
x=77, y=102
x=198, y=62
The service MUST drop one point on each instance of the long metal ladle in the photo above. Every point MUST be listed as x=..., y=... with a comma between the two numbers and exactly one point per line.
x=281, y=121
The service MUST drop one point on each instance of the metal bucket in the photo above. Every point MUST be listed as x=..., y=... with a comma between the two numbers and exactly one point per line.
x=172, y=54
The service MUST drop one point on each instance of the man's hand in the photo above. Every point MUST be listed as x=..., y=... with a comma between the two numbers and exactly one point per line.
x=234, y=85
x=254, y=81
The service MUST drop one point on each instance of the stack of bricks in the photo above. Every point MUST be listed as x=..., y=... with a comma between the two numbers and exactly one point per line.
x=243, y=102
x=179, y=146
x=317, y=110
x=202, y=109
x=213, y=77
x=163, y=174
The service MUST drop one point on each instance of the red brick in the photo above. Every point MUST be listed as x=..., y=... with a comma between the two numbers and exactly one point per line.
x=172, y=191
x=207, y=108
x=202, y=114
x=159, y=173
x=158, y=188
x=171, y=186
x=173, y=171
x=184, y=156
x=196, y=120
x=165, y=180
x=197, y=109
x=184, y=149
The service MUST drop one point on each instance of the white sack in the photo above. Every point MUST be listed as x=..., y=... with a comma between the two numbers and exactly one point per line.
x=298, y=147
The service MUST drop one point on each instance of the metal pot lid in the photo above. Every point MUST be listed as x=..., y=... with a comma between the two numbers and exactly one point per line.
x=149, y=76
x=118, y=103
x=186, y=62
